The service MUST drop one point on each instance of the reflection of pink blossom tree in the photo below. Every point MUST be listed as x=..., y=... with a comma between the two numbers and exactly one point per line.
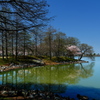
x=72, y=51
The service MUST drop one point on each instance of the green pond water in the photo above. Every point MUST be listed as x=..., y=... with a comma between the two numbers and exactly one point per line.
x=66, y=80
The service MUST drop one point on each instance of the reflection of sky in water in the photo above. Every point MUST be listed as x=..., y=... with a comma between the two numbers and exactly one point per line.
x=94, y=80
x=72, y=91
x=0, y=82
x=0, y=79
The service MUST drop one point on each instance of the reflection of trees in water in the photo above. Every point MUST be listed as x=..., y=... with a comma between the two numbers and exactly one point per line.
x=87, y=70
x=51, y=78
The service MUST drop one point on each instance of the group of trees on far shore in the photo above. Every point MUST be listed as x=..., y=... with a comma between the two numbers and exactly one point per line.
x=22, y=32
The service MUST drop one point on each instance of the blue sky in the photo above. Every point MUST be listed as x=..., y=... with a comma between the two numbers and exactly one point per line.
x=77, y=18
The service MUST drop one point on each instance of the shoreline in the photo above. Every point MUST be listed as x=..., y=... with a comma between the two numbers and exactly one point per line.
x=12, y=66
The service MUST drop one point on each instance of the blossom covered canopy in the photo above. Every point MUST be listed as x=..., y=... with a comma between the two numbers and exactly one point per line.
x=74, y=50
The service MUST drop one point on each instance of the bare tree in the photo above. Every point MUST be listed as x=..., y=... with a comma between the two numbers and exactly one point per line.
x=72, y=41
x=49, y=38
x=32, y=13
x=85, y=50
x=59, y=43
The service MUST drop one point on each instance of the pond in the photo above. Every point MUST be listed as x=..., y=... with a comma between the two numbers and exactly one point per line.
x=66, y=80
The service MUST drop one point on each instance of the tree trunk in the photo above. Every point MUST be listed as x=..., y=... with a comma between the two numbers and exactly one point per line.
x=16, y=45
x=24, y=45
x=36, y=44
x=50, y=46
x=58, y=51
x=81, y=56
x=6, y=41
x=12, y=47
x=2, y=45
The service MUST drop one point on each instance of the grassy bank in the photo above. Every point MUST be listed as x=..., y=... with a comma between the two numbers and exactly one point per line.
x=34, y=59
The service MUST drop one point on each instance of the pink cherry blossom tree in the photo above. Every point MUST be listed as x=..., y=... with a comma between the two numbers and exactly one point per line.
x=72, y=51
